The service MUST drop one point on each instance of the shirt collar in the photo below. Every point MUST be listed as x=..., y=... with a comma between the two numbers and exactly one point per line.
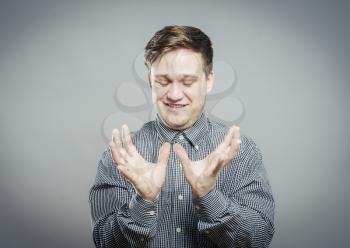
x=194, y=133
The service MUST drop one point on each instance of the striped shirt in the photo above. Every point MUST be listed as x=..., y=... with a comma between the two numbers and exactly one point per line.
x=238, y=212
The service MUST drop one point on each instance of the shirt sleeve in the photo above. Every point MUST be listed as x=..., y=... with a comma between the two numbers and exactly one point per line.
x=120, y=217
x=243, y=217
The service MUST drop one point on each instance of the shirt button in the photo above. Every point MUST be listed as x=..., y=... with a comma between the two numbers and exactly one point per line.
x=196, y=147
x=151, y=212
x=197, y=207
x=181, y=137
x=207, y=232
x=142, y=239
x=180, y=197
x=178, y=229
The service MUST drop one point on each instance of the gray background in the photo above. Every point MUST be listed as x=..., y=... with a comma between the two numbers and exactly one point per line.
x=60, y=65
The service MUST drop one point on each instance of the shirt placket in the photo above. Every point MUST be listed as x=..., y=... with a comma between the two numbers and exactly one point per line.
x=177, y=192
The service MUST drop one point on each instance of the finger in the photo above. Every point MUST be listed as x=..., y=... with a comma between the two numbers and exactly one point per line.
x=236, y=132
x=116, y=139
x=122, y=154
x=236, y=139
x=116, y=157
x=164, y=152
x=182, y=155
x=229, y=136
x=110, y=150
x=127, y=137
x=226, y=143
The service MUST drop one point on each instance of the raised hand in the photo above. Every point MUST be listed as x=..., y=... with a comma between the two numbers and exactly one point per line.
x=147, y=178
x=202, y=174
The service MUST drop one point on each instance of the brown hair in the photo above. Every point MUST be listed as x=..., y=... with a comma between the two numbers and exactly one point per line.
x=175, y=36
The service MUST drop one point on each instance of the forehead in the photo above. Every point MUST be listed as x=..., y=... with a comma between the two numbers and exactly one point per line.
x=178, y=62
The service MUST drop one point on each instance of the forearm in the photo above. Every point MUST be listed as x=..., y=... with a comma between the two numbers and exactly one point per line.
x=119, y=217
x=132, y=224
x=107, y=233
x=229, y=224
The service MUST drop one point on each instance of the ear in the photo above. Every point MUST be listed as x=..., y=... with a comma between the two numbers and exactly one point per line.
x=149, y=79
x=210, y=81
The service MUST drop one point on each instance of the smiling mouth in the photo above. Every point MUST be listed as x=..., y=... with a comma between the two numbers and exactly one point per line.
x=170, y=105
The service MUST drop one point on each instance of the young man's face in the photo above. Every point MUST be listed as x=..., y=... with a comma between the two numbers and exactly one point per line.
x=179, y=87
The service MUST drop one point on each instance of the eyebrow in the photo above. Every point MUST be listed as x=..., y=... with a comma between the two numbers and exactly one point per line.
x=185, y=76
x=190, y=76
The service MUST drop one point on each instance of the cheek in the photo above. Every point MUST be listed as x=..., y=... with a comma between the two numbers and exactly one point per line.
x=196, y=95
x=155, y=95
x=158, y=94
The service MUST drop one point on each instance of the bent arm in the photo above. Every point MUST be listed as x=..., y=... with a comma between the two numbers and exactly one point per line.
x=244, y=216
x=120, y=217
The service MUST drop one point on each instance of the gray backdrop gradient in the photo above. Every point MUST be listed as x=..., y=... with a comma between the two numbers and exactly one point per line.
x=61, y=62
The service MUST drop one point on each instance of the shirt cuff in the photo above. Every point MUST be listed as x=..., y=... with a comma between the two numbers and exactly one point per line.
x=211, y=206
x=143, y=211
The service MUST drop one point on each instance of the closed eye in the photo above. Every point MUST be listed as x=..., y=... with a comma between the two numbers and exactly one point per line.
x=188, y=82
x=163, y=83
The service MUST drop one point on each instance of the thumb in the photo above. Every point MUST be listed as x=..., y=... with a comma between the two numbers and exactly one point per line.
x=164, y=152
x=182, y=155
x=160, y=167
x=215, y=164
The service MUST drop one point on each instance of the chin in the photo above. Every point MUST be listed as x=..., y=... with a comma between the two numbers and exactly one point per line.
x=176, y=124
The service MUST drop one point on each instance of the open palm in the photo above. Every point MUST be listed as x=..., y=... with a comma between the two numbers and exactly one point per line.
x=202, y=174
x=147, y=178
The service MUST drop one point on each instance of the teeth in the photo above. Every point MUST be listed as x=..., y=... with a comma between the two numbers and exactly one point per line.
x=176, y=105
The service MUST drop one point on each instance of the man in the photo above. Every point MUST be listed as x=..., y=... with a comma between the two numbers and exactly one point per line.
x=182, y=180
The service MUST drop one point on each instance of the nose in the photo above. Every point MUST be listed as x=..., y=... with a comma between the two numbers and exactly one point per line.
x=175, y=92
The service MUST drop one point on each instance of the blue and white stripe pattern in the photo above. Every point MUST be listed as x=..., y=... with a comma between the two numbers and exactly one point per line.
x=239, y=212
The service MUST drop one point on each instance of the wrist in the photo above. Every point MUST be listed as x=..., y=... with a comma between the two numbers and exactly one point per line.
x=201, y=193
x=143, y=211
x=211, y=206
x=149, y=197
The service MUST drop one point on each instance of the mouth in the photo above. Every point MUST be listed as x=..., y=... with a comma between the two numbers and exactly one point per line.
x=174, y=106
